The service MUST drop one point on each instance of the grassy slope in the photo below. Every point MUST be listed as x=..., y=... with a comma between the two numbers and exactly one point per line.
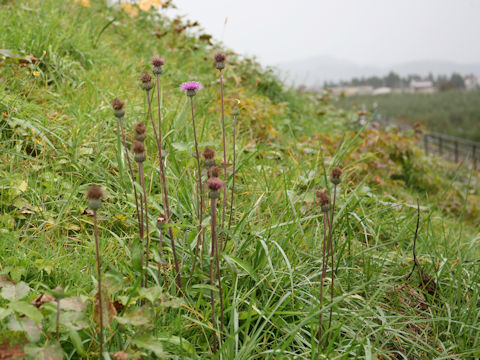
x=58, y=136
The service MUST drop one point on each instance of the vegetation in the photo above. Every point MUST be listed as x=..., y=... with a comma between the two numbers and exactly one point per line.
x=454, y=112
x=63, y=63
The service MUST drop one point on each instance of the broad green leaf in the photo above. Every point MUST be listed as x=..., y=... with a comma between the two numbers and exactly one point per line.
x=48, y=352
x=27, y=325
x=151, y=294
x=150, y=343
x=15, y=292
x=139, y=317
x=4, y=313
x=26, y=309
x=77, y=342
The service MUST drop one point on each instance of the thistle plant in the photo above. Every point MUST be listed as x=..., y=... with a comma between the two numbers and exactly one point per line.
x=139, y=152
x=324, y=201
x=119, y=112
x=220, y=65
x=58, y=294
x=147, y=85
x=214, y=185
x=94, y=196
x=161, y=222
x=335, y=179
x=191, y=89
x=236, y=111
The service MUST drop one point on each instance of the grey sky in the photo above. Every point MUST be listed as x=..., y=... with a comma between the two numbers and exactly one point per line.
x=376, y=32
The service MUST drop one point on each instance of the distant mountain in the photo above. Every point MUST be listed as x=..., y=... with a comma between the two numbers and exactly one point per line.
x=315, y=70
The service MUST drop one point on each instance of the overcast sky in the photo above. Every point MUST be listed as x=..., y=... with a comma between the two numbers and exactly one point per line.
x=370, y=32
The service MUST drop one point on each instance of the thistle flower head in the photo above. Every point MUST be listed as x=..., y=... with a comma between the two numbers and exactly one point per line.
x=213, y=172
x=161, y=221
x=139, y=151
x=336, y=173
x=146, y=80
x=191, y=87
x=117, y=106
x=208, y=153
x=219, y=56
x=323, y=200
x=219, y=60
x=157, y=61
x=94, y=196
x=140, y=128
x=214, y=184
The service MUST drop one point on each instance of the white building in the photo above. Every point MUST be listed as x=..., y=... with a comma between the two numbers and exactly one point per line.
x=422, y=86
x=470, y=82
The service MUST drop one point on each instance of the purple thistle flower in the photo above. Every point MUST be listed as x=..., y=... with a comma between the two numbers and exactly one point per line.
x=191, y=85
x=214, y=184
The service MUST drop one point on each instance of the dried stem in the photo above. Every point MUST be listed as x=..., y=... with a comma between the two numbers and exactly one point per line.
x=324, y=273
x=212, y=281
x=147, y=246
x=99, y=280
x=158, y=138
x=233, y=171
x=200, y=186
x=224, y=157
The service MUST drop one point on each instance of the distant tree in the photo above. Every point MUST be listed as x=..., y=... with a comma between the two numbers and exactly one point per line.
x=457, y=79
x=392, y=80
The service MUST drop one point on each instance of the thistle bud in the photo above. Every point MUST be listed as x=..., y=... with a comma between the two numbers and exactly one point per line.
x=161, y=222
x=94, y=196
x=140, y=129
x=219, y=60
x=213, y=172
x=139, y=152
x=323, y=200
x=146, y=80
x=157, y=63
x=214, y=184
x=117, y=106
x=209, y=155
x=335, y=175
x=58, y=293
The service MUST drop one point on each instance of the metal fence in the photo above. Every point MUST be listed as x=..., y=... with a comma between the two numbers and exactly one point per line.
x=452, y=148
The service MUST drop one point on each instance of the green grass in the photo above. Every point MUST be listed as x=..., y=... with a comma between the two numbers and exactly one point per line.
x=454, y=112
x=58, y=135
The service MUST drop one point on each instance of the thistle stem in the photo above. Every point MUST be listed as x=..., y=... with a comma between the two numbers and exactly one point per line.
x=224, y=157
x=99, y=275
x=58, y=319
x=217, y=261
x=212, y=281
x=324, y=273
x=158, y=138
x=330, y=240
x=130, y=168
x=233, y=171
x=200, y=186
x=147, y=246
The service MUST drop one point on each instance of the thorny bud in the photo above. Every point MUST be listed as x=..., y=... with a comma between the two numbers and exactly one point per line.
x=58, y=293
x=236, y=111
x=323, y=200
x=161, y=221
x=157, y=63
x=94, y=196
x=117, y=106
x=214, y=184
x=146, y=80
x=219, y=60
x=209, y=155
x=336, y=173
x=140, y=129
x=138, y=150
x=213, y=172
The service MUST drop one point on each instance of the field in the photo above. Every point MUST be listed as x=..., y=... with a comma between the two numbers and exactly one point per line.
x=454, y=112
x=61, y=66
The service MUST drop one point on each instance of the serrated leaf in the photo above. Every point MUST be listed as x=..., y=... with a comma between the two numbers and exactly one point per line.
x=151, y=294
x=139, y=317
x=48, y=352
x=26, y=309
x=15, y=292
x=73, y=303
x=27, y=325
x=4, y=313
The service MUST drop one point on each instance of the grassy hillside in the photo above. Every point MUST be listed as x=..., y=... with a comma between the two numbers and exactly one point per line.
x=453, y=112
x=61, y=66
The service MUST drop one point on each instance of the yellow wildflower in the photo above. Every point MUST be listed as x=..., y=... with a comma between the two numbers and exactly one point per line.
x=36, y=73
x=132, y=11
x=145, y=5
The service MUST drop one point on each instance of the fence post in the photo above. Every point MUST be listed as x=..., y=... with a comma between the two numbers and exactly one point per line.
x=474, y=153
x=425, y=139
x=456, y=151
x=440, y=145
